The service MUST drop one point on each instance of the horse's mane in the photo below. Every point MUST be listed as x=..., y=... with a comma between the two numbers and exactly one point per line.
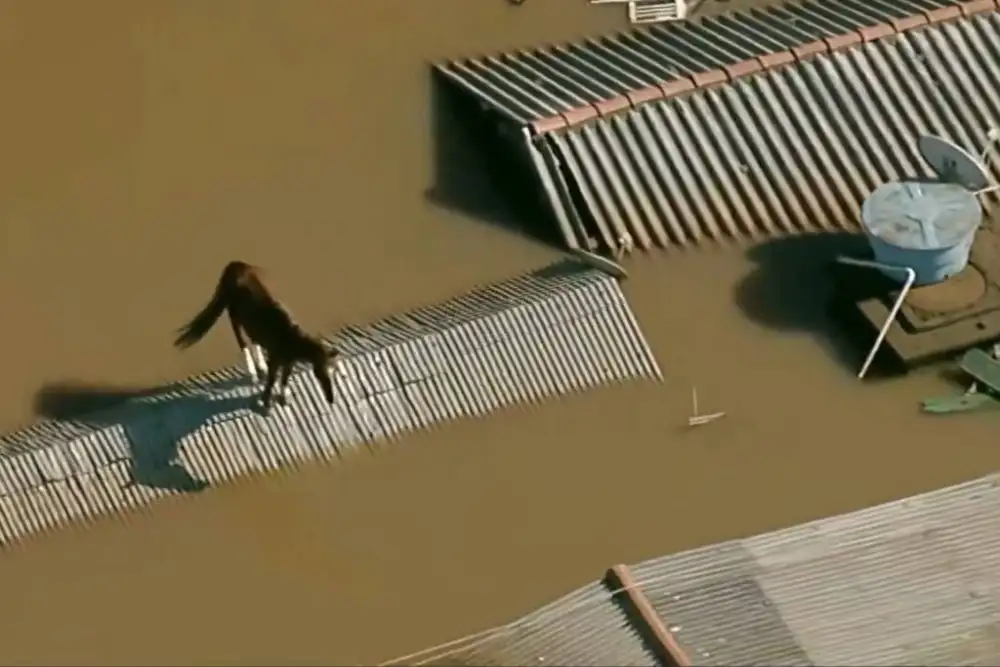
x=245, y=283
x=254, y=281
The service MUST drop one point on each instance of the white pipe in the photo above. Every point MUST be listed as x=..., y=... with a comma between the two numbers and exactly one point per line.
x=911, y=277
x=987, y=190
x=991, y=143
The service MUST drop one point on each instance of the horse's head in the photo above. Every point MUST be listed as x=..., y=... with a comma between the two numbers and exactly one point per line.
x=323, y=358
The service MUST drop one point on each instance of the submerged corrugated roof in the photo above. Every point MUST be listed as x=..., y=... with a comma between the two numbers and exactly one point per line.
x=911, y=582
x=586, y=628
x=561, y=329
x=787, y=150
x=604, y=74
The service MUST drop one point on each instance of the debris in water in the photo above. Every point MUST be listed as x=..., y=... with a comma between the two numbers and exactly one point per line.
x=982, y=392
x=698, y=419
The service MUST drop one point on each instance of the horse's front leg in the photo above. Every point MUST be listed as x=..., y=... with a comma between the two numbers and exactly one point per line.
x=245, y=348
x=261, y=358
x=251, y=366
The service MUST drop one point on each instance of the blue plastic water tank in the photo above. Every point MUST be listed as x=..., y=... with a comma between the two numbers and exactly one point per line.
x=928, y=227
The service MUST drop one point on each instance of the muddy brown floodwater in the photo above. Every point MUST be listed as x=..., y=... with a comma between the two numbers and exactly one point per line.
x=145, y=144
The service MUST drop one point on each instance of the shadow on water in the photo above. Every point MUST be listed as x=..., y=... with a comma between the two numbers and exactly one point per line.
x=155, y=428
x=789, y=289
x=479, y=171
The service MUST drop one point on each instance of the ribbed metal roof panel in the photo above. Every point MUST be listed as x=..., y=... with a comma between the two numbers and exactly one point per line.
x=555, y=331
x=790, y=150
x=912, y=582
x=526, y=86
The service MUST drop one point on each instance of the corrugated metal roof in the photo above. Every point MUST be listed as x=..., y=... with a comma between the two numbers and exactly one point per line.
x=608, y=73
x=911, y=582
x=788, y=150
x=558, y=330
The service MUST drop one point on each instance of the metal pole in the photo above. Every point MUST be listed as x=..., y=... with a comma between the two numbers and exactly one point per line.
x=987, y=190
x=911, y=277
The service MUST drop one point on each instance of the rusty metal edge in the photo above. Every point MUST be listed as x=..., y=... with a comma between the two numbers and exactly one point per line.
x=649, y=625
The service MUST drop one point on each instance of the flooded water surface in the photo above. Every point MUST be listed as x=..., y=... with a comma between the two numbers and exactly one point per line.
x=147, y=144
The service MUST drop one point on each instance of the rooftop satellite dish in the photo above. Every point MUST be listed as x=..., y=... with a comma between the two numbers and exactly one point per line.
x=952, y=164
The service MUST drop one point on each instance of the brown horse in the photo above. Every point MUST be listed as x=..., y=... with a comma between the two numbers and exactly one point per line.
x=265, y=321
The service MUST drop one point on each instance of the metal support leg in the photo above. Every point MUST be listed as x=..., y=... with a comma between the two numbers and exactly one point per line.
x=911, y=277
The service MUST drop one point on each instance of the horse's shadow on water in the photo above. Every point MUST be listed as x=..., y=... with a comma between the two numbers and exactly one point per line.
x=155, y=422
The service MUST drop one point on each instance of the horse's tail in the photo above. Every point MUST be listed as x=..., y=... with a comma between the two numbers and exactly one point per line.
x=195, y=330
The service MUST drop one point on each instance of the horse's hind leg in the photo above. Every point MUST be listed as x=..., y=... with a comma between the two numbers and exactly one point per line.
x=272, y=377
x=286, y=375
